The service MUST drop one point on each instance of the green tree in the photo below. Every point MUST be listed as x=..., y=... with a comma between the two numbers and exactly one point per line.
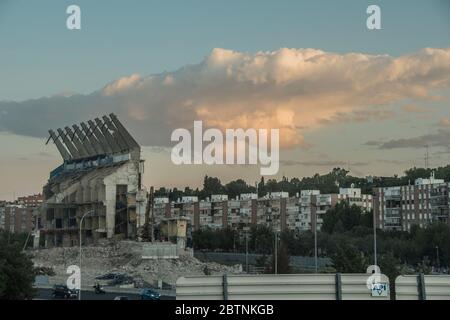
x=348, y=259
x=283, y=261
x=343, y=216
x=16, y=270
x=212, y=185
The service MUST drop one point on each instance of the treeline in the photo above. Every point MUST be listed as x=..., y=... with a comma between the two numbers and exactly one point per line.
x=326, y=183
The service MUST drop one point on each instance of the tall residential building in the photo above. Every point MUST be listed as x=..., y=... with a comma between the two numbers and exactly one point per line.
x=313, y=203
x=401, y=207
x=34, y=200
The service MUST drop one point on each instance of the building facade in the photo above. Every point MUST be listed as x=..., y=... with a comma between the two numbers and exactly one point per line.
x=99, y=180
x=401, y=207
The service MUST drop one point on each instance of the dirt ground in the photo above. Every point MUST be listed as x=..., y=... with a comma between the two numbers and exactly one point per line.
x=123, y=257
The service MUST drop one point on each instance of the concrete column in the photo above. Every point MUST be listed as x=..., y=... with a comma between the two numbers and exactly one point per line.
x=110, y=203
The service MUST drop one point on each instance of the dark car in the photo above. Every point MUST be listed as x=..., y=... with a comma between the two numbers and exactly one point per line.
x=61, y=291
x=149, y=294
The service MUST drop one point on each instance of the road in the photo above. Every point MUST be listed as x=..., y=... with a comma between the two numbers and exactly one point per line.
x=46, y=294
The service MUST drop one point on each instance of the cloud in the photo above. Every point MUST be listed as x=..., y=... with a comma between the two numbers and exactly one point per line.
x=121, y=85
x=439, y=139
x=444, y=122
x=290, y=89
x=412, y=108
x=322, y=163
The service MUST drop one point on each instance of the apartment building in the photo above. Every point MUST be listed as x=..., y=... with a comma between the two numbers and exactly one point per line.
x=401, y=207
x=313, y=203
x=20, y=215
x=18, y=218
x=34, y=200
x=353, y=196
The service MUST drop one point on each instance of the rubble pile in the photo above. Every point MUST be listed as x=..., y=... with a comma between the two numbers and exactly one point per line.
x=120, y=263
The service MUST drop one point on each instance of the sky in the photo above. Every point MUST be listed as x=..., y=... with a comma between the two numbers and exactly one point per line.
x=365, y=100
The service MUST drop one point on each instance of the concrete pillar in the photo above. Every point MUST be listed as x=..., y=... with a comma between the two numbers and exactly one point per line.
x=196, y=216
x=110, y=203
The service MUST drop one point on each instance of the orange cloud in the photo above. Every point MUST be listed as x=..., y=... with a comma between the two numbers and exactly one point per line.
x=287, y=89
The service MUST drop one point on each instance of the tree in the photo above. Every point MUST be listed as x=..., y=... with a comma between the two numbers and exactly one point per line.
x=348, y=259
x=261, y=239
x=212, y=185
x=283, y=261
x=235, y=188
x=16, y=271
x=262, y=263
x=342, y=216
x=390, y=267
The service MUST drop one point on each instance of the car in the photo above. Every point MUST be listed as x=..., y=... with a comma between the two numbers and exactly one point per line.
x=61, y=291
x=121, y=298
x=149, y=294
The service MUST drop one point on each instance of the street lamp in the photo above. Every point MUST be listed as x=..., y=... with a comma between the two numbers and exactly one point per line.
x=276, y=251
x=246, y=229
x=437, y=258
x=374, y=239
x=315, y=240
x=81, y=227
x=314, y=205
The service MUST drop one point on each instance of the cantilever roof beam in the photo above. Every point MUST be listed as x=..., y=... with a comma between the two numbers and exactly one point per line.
x=80, y=147
x=73, y=151
x=132, y=144
x=101, y=138
x=62, y=150
x=86, y=143
x=94, y=141
x=116, y=134
x=114, y=145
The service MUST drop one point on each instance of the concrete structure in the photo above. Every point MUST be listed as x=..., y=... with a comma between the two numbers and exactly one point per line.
x=400, y=207
x=422, y=287
x=175, y=231
x=281, y=287
x=100, y=177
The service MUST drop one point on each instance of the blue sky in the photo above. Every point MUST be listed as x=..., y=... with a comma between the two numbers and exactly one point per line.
x=147, y=37
x=163, y=64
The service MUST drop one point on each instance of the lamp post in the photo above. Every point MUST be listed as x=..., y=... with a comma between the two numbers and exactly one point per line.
x=315, y=241
x=276, y=252
x=246, y=248
x=81, y=227
x=375, y=261
x=314, y=205
x=437, y=258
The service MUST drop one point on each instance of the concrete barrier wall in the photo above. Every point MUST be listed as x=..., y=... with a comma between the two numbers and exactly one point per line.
x=422, y=287
x=159, y=251
x=277, y=287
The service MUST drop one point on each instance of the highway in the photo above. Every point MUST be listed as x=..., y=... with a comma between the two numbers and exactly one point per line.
x=46, y=294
